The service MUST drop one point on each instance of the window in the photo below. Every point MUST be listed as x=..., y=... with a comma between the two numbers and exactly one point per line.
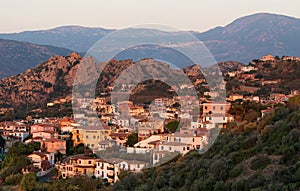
x=187, y=148
x=170, y=148
x=162, y=147
x=94, y=137
x=214, y=107
x=90, y=162
x=86, y=136
x=205, y=107
x=221, y=108
x=92, y=145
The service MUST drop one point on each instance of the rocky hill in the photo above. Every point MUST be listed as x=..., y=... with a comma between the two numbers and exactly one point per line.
x=54, y=79
x=280, y=75
x=16, y=57
x=47, y=81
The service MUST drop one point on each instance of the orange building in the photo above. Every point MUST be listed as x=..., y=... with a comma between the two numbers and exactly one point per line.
x=54, y=145
x=42, y=127
x=215, y=107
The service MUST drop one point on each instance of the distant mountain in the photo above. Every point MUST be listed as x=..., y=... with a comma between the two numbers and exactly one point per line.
x=16, y=57
x=76, y=38
x=254, y=36
x=245, y=38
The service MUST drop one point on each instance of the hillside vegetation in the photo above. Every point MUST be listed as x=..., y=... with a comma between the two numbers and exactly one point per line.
x=256, y=156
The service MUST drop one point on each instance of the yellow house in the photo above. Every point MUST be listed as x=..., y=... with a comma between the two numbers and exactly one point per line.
x=77, y=165
x=90, y=136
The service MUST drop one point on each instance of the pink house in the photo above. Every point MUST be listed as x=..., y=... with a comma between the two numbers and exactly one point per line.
x=42, y=134
x=42, y=127
x=52, y=145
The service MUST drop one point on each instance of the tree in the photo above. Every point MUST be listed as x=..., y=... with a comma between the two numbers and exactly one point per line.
x=28, y=182
x=172, y=126
x=2, y=144
x=132, y=139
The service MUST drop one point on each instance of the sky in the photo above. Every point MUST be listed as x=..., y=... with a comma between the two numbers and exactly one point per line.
x=196, y=15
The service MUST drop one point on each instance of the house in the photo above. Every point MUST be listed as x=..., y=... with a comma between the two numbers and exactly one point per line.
x=136, y=110
x=20, y=134
x=55, y=145
x=218, y=118
x=215, y=107
x=12, y=126
x=158, y=156
x=106, y=171
x=268, y=82
x=182, y=148
x=187, y=138
x=132, y=165
x=14, y=129
x=266, y=112
x=106, y=144
x=43, y=134
x=45, y=127
x=77, y=165
x=267, y=58
x=278, y=97
x=236, y=97
x=146, y=142
x=291, y=58
x=119, y=137
x=67, y=124
x=90, y=136
x=248, y=68
x=123, y=122
x=144, y=133
x=36, y=139
x=42, y=160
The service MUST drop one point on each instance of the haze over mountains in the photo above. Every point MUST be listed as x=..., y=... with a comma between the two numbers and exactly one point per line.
x=254, y=36
x=244, y=39
x=16, y=56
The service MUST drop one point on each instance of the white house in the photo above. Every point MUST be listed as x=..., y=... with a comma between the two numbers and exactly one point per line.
x=132, y=165
x=106, y=171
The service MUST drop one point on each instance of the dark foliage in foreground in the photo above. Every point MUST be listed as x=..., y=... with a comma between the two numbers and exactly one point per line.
x=256, y=156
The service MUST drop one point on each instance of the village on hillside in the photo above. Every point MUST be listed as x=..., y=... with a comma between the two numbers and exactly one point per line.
x=150, y=136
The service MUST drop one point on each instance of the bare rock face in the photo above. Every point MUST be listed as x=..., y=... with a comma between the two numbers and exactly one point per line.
x=51, y=79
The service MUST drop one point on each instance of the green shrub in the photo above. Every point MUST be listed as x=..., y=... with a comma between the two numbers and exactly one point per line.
x=255, y=181
x=13, y=179
x=238, y=185
x=260, y=162
x=282, y=175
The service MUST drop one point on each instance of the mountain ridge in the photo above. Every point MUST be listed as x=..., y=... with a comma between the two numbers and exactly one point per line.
x=247, y=37
x=17, y=56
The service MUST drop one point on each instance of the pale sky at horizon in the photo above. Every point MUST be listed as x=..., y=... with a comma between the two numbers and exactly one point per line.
x=197, y=15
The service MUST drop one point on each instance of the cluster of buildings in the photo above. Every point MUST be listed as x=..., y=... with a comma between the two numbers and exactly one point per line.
x=155, y=142
x=109, y=135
